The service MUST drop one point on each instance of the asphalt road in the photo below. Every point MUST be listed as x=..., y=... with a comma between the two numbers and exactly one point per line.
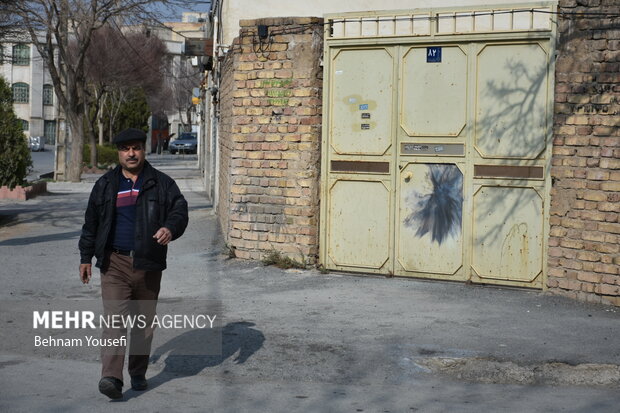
x=42, y=162
x=302, y=341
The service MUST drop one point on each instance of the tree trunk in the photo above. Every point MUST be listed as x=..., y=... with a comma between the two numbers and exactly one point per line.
x=188, y=112
x=93, y=149
x=92, y=137
x=115, y=106
x=75, y=124
x=100, y=118
x=100, y=128
x=92, y=142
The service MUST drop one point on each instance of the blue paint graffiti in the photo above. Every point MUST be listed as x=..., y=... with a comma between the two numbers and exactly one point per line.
x=440, y=212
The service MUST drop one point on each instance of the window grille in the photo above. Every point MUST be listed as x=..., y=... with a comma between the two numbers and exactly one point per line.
x=21, y=55
x=48, y=95
x=21, y=93
x=49, y=131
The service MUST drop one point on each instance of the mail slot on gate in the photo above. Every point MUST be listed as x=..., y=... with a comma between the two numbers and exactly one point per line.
x=428, y=149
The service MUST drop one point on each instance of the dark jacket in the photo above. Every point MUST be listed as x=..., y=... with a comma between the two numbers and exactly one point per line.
x=159, y=204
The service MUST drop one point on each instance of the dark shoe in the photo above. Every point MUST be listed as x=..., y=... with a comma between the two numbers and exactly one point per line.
x=139, y=382
x=111, y=387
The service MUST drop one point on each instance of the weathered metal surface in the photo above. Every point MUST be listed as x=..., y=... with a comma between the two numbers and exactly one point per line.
x=432, y=149
x=484, y=20
x=430, y=233
x=507, y=234
x=436, y=144
x=362, y=82
x=432, y=89
x=359, y=218
x=511, y=100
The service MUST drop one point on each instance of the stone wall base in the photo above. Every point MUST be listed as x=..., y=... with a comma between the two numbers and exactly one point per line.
x=23, y=193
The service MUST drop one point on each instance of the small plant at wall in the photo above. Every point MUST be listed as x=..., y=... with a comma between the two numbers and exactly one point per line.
x=322, y=269
x=280, y=260
x=229, y=250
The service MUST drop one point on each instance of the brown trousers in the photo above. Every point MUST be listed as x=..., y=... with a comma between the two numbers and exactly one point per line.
x=128, y=292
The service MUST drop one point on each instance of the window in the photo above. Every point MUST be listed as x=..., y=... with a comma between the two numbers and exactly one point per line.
x=21, y=93
x=49, y=131
x=21, y=55
x=48, y=95
x=25, y=125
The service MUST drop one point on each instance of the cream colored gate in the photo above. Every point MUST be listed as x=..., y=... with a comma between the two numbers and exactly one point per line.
x=437, y=143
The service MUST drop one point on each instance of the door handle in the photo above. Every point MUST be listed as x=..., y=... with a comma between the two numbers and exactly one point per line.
x=408, y=176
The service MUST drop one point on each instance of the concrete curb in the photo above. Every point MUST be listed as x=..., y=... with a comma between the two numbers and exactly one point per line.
x=73, y=187
x=192, y=185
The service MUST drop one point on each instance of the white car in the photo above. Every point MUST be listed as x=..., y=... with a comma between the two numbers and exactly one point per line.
x=36, y=143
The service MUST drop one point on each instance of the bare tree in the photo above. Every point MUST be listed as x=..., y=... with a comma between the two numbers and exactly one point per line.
x=100, y=72
x=117, y=61
x=148, y=62
x=62, y=31
x=113, y=106
x=182, y=83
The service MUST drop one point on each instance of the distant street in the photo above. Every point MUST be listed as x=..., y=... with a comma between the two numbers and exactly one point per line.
x=43, y=162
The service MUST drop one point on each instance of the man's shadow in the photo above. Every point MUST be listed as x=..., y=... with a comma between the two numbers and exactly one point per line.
x=187, y=352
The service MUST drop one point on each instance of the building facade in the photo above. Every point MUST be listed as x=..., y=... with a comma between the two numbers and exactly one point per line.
x=183, y=65
x=35, y=101
x=331, y=149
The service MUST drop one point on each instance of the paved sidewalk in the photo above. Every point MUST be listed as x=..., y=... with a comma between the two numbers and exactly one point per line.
x=302, y=341
x=180, y=167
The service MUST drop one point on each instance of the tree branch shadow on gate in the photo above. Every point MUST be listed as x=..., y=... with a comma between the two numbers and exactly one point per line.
x=517, y=105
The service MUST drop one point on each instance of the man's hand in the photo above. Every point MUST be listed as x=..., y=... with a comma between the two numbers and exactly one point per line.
x=163, y=236
x=85, y=272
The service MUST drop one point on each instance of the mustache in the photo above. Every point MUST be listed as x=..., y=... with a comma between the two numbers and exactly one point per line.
x=131, y=158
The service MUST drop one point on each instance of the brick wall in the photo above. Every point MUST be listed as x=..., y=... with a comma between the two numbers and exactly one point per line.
x=226, y=147
x=584, y=247
x=269, y=139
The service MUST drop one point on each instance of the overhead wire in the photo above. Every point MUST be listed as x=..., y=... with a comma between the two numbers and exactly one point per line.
x=165, y=74
x=161, y=24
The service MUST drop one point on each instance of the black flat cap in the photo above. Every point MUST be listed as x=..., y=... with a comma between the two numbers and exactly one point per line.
x=130, y=134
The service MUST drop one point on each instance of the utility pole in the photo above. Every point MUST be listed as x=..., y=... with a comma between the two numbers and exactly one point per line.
x=60, y=158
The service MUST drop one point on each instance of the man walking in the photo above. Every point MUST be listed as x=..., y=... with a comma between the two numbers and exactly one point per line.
x=133, y=212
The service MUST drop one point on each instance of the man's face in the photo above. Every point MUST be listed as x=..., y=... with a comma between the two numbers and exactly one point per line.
x=131, y=156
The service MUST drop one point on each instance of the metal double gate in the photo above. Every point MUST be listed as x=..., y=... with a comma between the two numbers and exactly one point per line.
x=437, y=146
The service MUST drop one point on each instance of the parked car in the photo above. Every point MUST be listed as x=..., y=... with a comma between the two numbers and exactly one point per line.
x=36, y=143
x=185, y=143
